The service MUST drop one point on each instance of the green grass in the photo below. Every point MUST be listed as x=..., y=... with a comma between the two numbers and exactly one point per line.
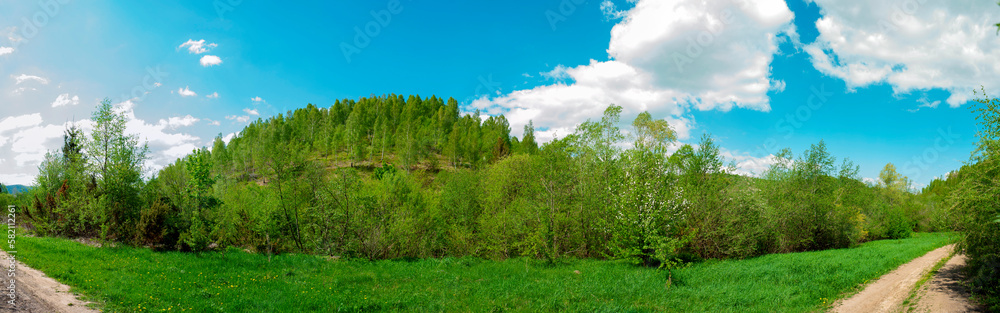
x=134, y=279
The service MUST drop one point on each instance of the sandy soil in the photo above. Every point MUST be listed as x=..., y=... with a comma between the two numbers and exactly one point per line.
x=888, y=292
x=36, y=292
x=945, y=292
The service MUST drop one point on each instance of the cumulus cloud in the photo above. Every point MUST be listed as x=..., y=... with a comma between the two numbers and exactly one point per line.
x=244, y=118
x=178, y=121
x=12, y=123
x=6, y=50
x=239, y=118
x=257, y=99
x=747, y=164
x=197, y=47
x=665, y=57
x=25, y=77
x=210, y=60
x=65, y=99
x=185, y=92
x=164, y=144
x=910, y=45
x=610, y=11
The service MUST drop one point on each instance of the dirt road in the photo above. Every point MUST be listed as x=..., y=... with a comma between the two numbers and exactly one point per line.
x=943, y=293
x=36, y=292
x=888, y=292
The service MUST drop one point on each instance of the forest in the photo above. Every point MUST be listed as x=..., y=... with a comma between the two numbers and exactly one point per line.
x=394, y=177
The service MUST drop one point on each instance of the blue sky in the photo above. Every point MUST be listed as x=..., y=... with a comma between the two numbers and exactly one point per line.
x=880, y=82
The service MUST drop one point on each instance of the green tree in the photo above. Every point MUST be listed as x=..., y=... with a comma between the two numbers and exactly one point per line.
x=198, y=189
x=117, y=159
x=890, y=179
x=977, y=198
x=528, y=144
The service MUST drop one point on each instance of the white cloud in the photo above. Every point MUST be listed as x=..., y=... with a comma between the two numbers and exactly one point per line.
x=911, y=45
x=244, y=118
x=748, y=165
x=65, y=99
x=19, y=179
x=214, y=95
x=185, y=92
x=924, y=103
x=11, y=123
x=257, y=99
x=175, y=122
x=30, y=145
x=25, y=77
x=610, y=11
x=666, y=57
x=239, y=118
x=165, y=146
x=6, y=50
x=197, y=47
x=210, y=60
x=157, y=84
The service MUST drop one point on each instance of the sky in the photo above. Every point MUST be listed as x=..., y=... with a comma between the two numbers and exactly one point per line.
x=878, y=81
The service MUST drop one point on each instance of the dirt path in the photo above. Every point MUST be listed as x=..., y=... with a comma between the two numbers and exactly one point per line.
x=888, y=292
x=945, y=292
x=36, y=292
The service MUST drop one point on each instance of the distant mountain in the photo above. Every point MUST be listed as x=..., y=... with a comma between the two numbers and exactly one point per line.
x=15, y=189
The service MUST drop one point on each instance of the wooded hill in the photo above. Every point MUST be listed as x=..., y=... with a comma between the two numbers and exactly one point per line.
x=390, y=177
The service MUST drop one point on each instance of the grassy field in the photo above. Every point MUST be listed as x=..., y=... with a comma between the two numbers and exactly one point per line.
x=133, y=279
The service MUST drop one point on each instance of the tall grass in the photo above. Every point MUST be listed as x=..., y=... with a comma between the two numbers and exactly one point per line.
x=129, y=279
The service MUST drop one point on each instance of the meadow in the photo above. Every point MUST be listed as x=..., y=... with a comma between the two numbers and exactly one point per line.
x=129, y=279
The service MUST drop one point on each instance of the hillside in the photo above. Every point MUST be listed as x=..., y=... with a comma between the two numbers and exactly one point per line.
x=13, y=189
x=390, y=177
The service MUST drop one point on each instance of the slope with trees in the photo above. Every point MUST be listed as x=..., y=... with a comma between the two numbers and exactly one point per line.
x=393, y=176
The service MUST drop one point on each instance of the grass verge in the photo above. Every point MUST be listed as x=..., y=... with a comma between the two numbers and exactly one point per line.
x=129, y=279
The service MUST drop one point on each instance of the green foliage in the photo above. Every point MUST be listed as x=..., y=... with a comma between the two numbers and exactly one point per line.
x=391, y=177
x=116, y=161
x=977, y=198
x=385, y=170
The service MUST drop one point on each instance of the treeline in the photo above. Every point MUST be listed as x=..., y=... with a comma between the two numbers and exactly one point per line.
x=386, y=178
x=973, y=195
